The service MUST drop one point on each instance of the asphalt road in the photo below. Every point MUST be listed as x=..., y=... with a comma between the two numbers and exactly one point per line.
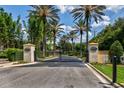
x=69, y=73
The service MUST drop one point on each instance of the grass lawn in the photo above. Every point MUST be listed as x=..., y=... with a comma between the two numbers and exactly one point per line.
x=107, y=69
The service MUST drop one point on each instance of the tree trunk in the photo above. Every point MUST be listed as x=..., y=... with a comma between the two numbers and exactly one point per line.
x=72, y=44
x=54, y=44
x=44, y=44
x=81, y=43
x=87, y=44
x=44, y=38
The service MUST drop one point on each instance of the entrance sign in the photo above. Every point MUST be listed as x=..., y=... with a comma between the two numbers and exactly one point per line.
x=28, y=52
x=93, y=49
x=93, y=52
x=27, y=49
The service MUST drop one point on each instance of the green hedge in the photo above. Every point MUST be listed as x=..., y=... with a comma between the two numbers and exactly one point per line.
x=14, y=54
x=3, y=54
x=116, y=49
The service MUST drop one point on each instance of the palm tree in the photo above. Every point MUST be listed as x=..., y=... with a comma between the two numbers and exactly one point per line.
x=87, y=13
x=63, y=39
x=57, y=29
x=45, y=13
x=79, y=26
x=19, y=32
x=73, y=36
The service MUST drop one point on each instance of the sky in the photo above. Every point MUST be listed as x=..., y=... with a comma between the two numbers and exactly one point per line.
x=111, y=14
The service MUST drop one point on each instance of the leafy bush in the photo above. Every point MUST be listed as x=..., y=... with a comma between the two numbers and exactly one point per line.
x=3, y=54
x=116, y=49
x=110, y=34
x=14, y=54
x=71, y=53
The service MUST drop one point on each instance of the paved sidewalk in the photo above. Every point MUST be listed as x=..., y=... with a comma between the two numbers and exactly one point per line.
x=11, y=64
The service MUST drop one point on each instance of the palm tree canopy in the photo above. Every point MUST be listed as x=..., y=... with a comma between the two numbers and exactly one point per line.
x=88, y=11
x=50, y=12
x=64, y=38
x=79, y=26
x=72, y=35
x=56, y=28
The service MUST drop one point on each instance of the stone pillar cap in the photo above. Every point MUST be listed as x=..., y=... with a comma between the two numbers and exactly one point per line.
x=93, y=43
x=29, y=44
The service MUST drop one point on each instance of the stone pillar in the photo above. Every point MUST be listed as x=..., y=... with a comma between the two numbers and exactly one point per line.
x=93, y=52
x=28, y=55
x=122, y=59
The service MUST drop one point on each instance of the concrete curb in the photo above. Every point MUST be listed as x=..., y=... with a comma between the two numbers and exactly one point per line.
x=122, y=85
x=106, y=77
x=49, y=58
x=25, y=64
x=17, y=65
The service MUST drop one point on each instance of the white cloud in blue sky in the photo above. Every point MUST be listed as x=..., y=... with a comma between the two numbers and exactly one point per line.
x=105, y=22
x=111, y=14
x=106, y=19
x=115, y=8
x=65, y=8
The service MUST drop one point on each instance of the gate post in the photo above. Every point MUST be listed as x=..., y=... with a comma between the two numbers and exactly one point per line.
x=93, y=52
x=28, y=50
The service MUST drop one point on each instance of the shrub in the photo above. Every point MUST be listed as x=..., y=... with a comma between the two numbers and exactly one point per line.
x=116, y=49
x=71, y=53
x=14, y=54
x=3, y=54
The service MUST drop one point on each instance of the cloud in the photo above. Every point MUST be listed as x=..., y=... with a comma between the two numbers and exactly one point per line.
x=114, y=8
x=23, y=29
x=65, y=8
x=106, y=21
x=90, y=34
x=106, y=18
x=67, y=28
x=63, y=26
x=62, y=8
x=84, y=37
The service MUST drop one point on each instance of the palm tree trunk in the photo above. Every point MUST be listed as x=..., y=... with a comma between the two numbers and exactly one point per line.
x=72, y=44
x=81, y=43
x=87, y=43
x=54, y=44
x=44, y=44
x=44, y=38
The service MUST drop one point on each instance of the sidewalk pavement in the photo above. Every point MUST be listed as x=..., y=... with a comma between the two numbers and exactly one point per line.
x=11, y=64
x=49, y=58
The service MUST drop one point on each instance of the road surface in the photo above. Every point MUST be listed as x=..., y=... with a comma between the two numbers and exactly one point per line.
x=69, y=73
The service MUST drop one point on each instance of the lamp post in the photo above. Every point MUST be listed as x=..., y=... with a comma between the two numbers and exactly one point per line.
x=114, y=75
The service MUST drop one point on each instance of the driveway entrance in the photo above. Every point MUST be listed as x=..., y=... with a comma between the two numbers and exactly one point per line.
x=69, y=73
